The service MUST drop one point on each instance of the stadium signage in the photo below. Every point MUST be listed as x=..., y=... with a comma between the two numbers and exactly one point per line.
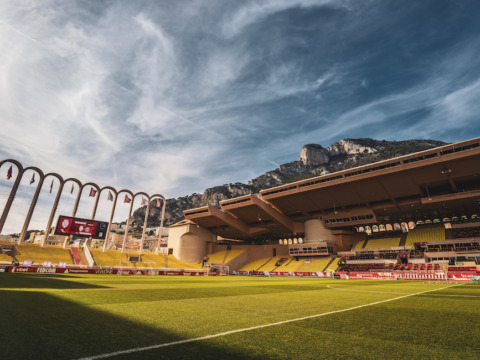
x=20, y=269
x=76, y=271
x=46, y=270
x=104, y=271
x=67, y=225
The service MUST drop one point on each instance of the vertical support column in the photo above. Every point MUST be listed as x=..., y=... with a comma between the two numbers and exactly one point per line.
x=128, y=226
x=66, y=242
x=144, y=228
x=52, y=214
x=30, y=211
x=8, y=205
x=96, y=204
x=77, y=200
x=157, y=251
x=114, y=205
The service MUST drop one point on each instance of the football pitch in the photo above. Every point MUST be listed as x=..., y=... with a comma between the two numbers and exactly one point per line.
x=155, y=317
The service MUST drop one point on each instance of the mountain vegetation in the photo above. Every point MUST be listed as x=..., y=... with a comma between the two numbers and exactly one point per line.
x=314, y=160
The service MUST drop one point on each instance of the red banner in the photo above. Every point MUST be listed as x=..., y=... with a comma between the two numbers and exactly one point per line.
x=112, y=271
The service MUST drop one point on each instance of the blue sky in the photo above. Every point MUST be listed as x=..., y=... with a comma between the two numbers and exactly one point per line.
x=177, y=96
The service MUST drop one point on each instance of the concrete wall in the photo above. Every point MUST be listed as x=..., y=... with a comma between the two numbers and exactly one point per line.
x=189, y=242
x=345, y=240
x=316, y=232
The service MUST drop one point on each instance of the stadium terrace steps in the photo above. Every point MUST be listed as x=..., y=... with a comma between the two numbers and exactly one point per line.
x=6, y=258
x=38, y=254
x=113, y=258
x=425, y=235
x=5, y=242
x=109, y=258
x=382, y=243
x=159, y=260
x=315, y=265
x=217, y=257
x=333, y=266
x=174, y=263
x=254, y=265
x=360, y=244
x=290, y=265
x=232, y=255
x=76, y=256
x=270, y=265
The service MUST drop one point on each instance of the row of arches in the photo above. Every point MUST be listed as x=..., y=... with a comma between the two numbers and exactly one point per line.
x=95, y=191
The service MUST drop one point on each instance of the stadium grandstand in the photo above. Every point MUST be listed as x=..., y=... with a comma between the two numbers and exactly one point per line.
x=418, y=212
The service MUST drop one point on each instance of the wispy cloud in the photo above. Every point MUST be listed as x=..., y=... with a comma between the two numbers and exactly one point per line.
x=174, y=97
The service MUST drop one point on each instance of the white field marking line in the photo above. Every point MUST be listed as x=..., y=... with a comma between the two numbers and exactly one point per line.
x=389, y=292
x=122, y=352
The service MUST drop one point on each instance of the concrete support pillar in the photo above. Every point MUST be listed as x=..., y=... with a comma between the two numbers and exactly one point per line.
x=110, y=222
x=52, y=213
x=77, y=201
x=128, y=226
x=21, y=239
x=96, y=205
x=66, y=242
x=8, y=205
x=144, y=227
x=157, y=250
x=315, y=232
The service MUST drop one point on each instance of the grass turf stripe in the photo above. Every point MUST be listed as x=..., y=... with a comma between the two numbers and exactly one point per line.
x=158, y=346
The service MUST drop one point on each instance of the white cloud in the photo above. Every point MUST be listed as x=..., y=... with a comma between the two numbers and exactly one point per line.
x=255, y=11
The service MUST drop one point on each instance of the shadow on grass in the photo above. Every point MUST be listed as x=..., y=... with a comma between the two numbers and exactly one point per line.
x=37, y=325
x=48, y=281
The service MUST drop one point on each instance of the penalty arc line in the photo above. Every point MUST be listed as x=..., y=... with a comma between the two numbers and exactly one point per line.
x=152, y=347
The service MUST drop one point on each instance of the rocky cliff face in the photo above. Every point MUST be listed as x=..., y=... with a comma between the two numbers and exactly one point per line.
x=313, y=154
x=314, y=160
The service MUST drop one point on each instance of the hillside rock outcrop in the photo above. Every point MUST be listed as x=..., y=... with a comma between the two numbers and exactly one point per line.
x=314, y=160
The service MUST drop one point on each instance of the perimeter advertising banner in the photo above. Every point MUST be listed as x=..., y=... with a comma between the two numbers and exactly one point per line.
x=67, y=225
x=110, y=271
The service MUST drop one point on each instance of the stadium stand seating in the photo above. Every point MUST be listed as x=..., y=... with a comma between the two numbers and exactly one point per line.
x=5, y=242
x=255, y=265
x=358, y=245
x=233, y=254
x=431, y=234
x=158, y=260
x=333, y=266
x=270, y=265
x=109, y=258
x=218, y=257
x=4, y=258
x=38, y=254
x=315, y=265
x=382, y=243
x=173, y=263
x=289, y=265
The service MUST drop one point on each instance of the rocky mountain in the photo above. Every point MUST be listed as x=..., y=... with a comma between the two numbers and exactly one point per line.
x=314, y=160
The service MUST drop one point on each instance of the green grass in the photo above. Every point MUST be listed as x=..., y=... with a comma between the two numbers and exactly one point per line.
x=75, y=316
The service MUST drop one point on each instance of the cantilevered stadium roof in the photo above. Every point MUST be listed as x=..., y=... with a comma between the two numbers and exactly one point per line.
x=435, y=183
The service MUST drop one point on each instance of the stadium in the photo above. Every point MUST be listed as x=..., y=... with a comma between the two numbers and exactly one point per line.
x=304, y=260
